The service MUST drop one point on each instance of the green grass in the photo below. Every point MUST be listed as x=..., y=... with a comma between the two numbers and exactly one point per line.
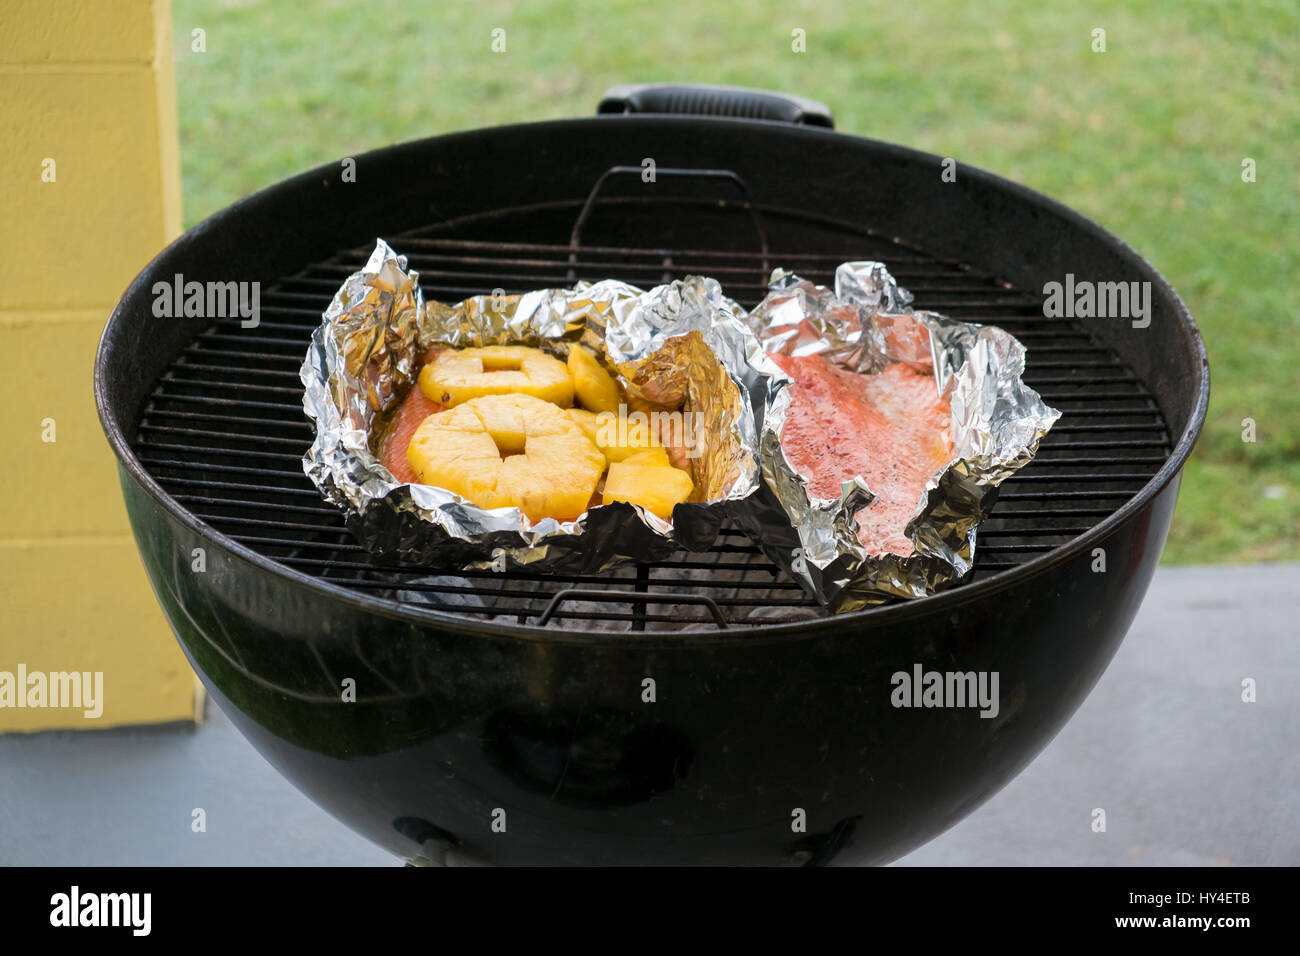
x=1146, y=138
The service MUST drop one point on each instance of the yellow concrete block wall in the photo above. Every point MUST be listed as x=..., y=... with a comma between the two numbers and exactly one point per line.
x=88, y=150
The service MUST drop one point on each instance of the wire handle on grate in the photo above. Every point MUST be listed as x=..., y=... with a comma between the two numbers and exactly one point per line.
x=575, y=237
x=632, y=597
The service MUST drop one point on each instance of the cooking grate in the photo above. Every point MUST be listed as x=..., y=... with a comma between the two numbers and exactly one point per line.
x=224, y=432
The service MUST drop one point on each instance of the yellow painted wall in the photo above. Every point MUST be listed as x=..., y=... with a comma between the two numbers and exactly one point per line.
x=89, y=85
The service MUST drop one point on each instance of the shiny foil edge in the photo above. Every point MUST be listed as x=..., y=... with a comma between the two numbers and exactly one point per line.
x=366, y=352
x=864, y=324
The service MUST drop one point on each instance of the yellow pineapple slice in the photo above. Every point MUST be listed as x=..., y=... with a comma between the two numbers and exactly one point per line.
x=617, y=439
x=563, y=470
x=509, y=451
x=595, y=388
x=589, y=422
x=620, y=437
x=504, y=420
x=452, y=449
x=455, y=377
x=657, y=456
x=657, y=488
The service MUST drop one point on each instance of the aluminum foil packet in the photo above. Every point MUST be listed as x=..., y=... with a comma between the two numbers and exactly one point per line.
x=683, y=342
x=864, y=325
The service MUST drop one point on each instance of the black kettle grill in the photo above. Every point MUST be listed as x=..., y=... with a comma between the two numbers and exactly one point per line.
x=504, y=717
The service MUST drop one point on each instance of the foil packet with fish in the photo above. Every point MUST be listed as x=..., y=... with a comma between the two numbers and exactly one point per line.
x=555, y=430
x=885, y=433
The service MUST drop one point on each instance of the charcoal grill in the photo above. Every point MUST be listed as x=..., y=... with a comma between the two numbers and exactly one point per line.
x=485, y=696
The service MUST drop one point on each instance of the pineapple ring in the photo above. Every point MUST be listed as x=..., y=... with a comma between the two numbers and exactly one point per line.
x=509, y=451
x=455, y=377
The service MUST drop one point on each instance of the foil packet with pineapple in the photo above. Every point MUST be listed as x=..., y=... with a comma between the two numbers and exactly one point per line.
x=557, y=430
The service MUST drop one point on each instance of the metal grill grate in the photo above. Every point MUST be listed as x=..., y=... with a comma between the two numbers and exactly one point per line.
x=224, y=434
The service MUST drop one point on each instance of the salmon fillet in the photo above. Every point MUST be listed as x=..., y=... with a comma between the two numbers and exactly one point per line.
x=415, y=408
x=892, y=428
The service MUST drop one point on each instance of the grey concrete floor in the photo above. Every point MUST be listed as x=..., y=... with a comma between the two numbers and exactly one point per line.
x=1186, y=772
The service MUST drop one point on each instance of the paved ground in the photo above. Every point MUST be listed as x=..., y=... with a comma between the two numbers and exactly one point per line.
x=1186, y=772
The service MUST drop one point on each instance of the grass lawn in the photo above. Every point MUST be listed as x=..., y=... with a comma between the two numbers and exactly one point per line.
x=1147, y=138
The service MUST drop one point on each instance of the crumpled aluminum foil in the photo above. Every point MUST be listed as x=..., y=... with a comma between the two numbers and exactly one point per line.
x=680, y=342
x=865, y=324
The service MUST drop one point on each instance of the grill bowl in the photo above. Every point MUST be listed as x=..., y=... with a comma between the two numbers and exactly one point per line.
x=461, y=718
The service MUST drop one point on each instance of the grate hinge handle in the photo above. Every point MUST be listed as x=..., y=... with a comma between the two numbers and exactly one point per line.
x=632, y=597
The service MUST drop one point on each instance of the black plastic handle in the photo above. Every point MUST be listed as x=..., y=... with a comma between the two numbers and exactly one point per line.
x=705, y=99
